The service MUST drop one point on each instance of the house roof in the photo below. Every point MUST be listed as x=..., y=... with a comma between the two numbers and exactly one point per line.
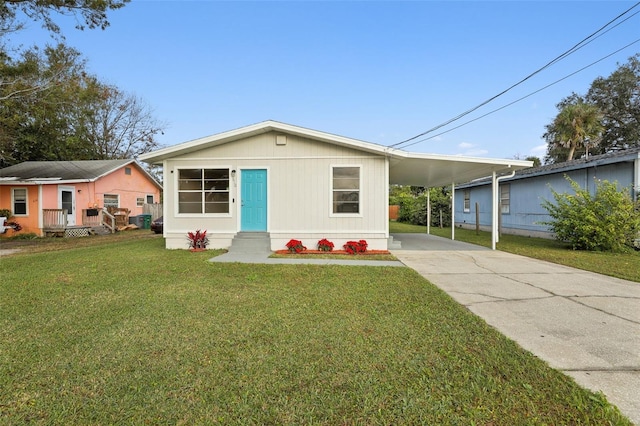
x=627, y=155
x=63, y=171
x=406, y=168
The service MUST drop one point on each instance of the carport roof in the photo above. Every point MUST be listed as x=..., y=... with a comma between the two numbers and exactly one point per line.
x=431, y=170
x=405, y=168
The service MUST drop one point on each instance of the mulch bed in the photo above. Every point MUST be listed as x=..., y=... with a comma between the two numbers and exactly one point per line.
x=368, y=252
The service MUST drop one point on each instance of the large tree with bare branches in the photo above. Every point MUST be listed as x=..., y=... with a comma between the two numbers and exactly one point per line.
x=76, y=117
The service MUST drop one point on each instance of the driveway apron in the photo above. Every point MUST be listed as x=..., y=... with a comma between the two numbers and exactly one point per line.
x=584, y=324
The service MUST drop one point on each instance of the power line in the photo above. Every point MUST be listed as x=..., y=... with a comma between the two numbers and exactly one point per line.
x=524, y=97
x=572, y=50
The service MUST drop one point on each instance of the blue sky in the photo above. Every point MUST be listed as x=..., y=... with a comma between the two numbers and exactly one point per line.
x=377, y=71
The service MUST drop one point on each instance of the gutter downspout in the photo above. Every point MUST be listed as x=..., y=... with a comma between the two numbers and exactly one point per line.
x=496, y=205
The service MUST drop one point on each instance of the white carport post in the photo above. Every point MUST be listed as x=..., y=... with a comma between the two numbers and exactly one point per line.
x=453, y=211
x=428, y=211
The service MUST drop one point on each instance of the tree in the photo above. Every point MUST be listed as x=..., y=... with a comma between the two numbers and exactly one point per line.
x=88, y=13
x=577, y=126
x=116, y=124
x=76, y=118
x=618, y=98
x=536, y=161
x=413, y=204
x=609, y=220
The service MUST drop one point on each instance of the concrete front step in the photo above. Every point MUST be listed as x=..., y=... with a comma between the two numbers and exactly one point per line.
x=251, y=242
x=393, y=245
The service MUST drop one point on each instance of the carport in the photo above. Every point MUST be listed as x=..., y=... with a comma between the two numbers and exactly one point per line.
x=433, y=170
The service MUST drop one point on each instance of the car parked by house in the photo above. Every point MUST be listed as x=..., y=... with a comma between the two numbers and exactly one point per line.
x=157, y=225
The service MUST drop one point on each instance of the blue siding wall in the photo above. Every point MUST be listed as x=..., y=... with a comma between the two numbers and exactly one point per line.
x=526, y=196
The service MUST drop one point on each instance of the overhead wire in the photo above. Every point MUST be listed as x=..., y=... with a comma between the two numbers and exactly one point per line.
x=593, y=36
x=524, y=97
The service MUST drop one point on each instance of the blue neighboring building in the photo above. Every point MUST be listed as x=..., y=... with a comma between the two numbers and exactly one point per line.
x=521, y=195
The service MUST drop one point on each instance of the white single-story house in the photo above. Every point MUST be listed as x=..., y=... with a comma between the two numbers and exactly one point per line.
x=295, y=183
x=521, y=195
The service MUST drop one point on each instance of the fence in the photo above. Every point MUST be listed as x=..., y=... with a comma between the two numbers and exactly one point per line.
x=54, y=219
x=155, y=210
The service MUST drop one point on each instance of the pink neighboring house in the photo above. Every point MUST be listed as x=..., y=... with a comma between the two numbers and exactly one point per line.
x=80, y=187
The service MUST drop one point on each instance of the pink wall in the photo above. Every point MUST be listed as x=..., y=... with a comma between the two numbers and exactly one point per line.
x=129, y=187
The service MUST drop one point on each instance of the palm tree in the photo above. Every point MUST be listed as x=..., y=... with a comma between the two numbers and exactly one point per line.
x=577, y=125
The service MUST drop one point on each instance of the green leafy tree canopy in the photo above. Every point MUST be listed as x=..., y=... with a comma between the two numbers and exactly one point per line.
x=616, y=99
x=88, y=13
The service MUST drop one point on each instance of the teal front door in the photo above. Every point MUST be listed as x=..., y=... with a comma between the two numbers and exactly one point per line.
x=253, y=198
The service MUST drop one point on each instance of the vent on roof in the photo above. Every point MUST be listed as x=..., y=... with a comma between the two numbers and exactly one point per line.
x=281, y=139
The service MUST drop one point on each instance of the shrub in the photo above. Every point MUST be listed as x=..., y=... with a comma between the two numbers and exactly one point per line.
x=198, y=239
x=413, y=208
x=295, y=246
x=325, y=245
x=353, y=247
x=607, y=221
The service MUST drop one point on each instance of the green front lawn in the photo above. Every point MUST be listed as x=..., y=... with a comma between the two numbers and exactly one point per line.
x=130, y=333
x=620, y=265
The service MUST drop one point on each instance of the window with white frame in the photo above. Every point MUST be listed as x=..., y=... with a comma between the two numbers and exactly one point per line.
x=346, y=189
x=203, y=191
x=111, y=200
x=150, y=199
x=139, y=201
x=467, y=201
x=505, y=199
x=19, y=201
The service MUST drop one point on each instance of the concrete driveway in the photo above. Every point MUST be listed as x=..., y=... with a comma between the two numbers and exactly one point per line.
x=584, y=324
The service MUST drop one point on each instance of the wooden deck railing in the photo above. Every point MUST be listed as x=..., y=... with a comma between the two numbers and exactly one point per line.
x=54, y=219
x=99, y=217
x=92, y=217
x=109, y=221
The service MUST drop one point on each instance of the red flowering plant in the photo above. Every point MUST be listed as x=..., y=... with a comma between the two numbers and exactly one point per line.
x=198, y=239
x=353, y=247
x=295, y=246
x=325, y=245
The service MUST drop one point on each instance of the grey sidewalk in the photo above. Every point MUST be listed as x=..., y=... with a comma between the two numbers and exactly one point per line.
x=584, y=324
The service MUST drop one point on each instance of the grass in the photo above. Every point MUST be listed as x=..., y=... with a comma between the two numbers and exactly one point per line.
x=620, y=265
x=126, y=332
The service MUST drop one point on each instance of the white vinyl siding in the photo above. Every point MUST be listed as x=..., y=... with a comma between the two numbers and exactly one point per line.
x=345, y=189
x=203, y=191
x=300, y=200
